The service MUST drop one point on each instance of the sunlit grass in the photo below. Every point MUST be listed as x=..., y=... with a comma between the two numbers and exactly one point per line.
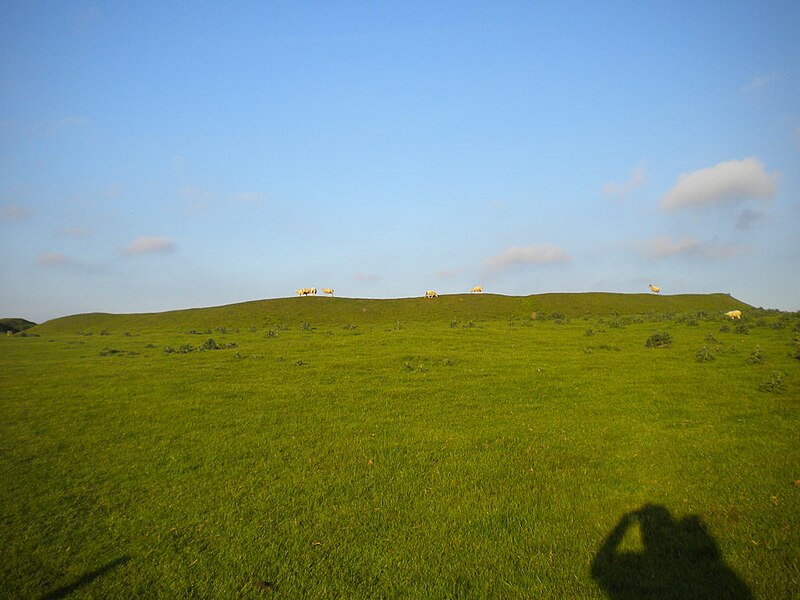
x=411, y=449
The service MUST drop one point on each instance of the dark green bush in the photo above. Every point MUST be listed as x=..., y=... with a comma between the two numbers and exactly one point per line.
x=659, y=340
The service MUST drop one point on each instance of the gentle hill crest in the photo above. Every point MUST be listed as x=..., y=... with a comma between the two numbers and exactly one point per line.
x=331, y=311
x=15, y=325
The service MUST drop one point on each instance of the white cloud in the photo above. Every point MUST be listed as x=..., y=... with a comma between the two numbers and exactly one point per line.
x=665, y=247
x=52, y=259
x=526, y=255
x=621, y=191
x=726, y=183
x=149, y=245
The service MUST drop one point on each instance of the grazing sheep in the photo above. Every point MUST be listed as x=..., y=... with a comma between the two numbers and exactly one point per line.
x=300, y=292
x=477, y=290
x=654, y=289
x=327, y=291
x=431, y=294
x=734, y=314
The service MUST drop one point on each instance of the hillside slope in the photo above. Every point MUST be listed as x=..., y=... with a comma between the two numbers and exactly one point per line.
x=15, y=325
x=331, y=311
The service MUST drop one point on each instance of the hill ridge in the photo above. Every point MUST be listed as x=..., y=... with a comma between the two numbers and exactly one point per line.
x=341, y=310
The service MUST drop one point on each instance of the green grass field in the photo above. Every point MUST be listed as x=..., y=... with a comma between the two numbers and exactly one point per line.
x=460, y=447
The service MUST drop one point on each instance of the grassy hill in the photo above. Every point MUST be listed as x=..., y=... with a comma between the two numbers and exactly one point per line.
x=333, y=311
x=15, y=325
x=411, y=448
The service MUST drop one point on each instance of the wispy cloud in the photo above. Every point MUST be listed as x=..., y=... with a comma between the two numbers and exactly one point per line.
x=14, y=212
x=621, y=191
x=665, y=247
x=726, y=183
x=526, y=255
x=759, y=83
x=53, y=259
x=149, y=245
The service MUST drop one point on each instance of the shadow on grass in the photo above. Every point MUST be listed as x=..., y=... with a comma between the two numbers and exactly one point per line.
x=679, y=560
x=85, y=579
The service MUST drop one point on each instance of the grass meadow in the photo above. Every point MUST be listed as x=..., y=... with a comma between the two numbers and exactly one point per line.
x=460, y=447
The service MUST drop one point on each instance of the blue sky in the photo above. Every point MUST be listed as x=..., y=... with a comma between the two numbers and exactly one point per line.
x=156, y=156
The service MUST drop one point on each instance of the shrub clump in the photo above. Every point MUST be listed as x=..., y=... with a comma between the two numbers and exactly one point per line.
x=209, y=344
x=796, y=350
x=659, y=340
x=114, y=352
x=774, y=384
x=755, y=357
x=704, y=355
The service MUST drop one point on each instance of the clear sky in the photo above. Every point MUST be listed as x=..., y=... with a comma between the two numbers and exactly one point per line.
x=163, y=155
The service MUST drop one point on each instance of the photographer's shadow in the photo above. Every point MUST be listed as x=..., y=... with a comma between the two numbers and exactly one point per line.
x=679, y=560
